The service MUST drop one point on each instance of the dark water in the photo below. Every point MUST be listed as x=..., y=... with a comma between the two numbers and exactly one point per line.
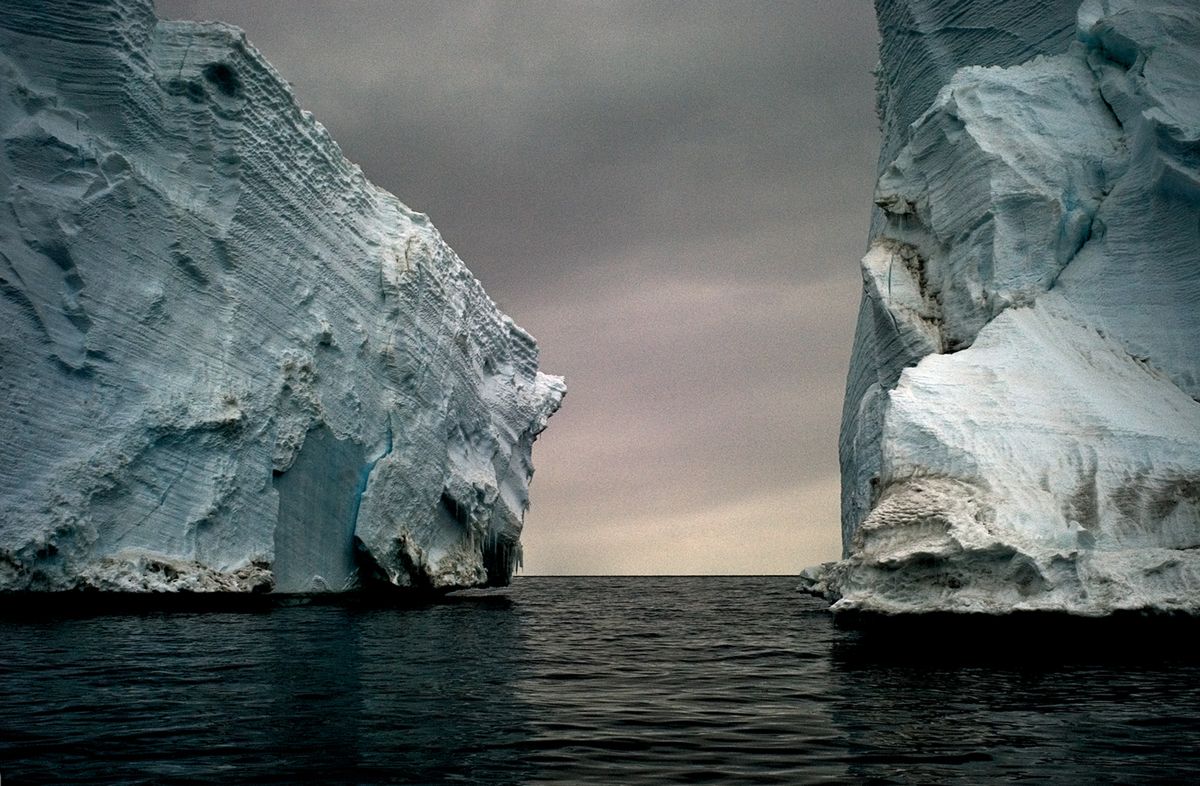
x=590, y=680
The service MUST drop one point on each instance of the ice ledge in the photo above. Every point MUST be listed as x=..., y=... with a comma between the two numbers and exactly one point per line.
x=1087, y=503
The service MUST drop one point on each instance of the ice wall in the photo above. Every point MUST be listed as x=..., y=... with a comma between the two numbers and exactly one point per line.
x=229, y=361
x=1021, y=427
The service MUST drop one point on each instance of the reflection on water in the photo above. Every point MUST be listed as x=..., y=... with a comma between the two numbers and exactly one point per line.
x=1053, y=709
x=402, y=695
x=580, y=680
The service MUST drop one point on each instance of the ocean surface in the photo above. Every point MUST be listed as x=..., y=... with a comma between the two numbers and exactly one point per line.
x=578, y=681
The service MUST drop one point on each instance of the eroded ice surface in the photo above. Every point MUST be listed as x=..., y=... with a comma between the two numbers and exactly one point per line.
x=229, y=361
x=1021, y=428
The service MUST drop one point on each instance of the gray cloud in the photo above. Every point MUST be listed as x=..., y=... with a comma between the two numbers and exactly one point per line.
x=672, y=197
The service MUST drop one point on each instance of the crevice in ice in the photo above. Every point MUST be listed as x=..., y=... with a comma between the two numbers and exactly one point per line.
x=166, y=492
x=501, y=556
x=1094, y=220
x=223, y=78
x=457, y=512
x=364, y=476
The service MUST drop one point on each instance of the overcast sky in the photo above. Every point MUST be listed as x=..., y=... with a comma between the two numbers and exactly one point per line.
x=673, y=198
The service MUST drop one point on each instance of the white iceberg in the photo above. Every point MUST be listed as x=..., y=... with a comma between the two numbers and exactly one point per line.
x=229, y=361
x=1022, y=419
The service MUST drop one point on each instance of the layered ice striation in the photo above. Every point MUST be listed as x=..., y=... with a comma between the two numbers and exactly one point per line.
x=230, y=362
x=1021, y=427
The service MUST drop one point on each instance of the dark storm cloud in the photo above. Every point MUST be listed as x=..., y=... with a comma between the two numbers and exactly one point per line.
x=671, y=196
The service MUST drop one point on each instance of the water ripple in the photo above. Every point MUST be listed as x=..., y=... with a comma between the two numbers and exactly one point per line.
x=571, y=680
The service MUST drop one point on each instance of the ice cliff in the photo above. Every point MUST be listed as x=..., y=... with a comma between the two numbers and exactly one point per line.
x=1021, y=427
x=229, y=362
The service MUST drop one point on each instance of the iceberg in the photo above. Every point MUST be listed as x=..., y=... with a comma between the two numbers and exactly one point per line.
x=230, y=362
x=1021, y=429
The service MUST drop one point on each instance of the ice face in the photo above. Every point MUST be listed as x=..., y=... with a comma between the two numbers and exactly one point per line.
x=1021, y=428
x=230, y=362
